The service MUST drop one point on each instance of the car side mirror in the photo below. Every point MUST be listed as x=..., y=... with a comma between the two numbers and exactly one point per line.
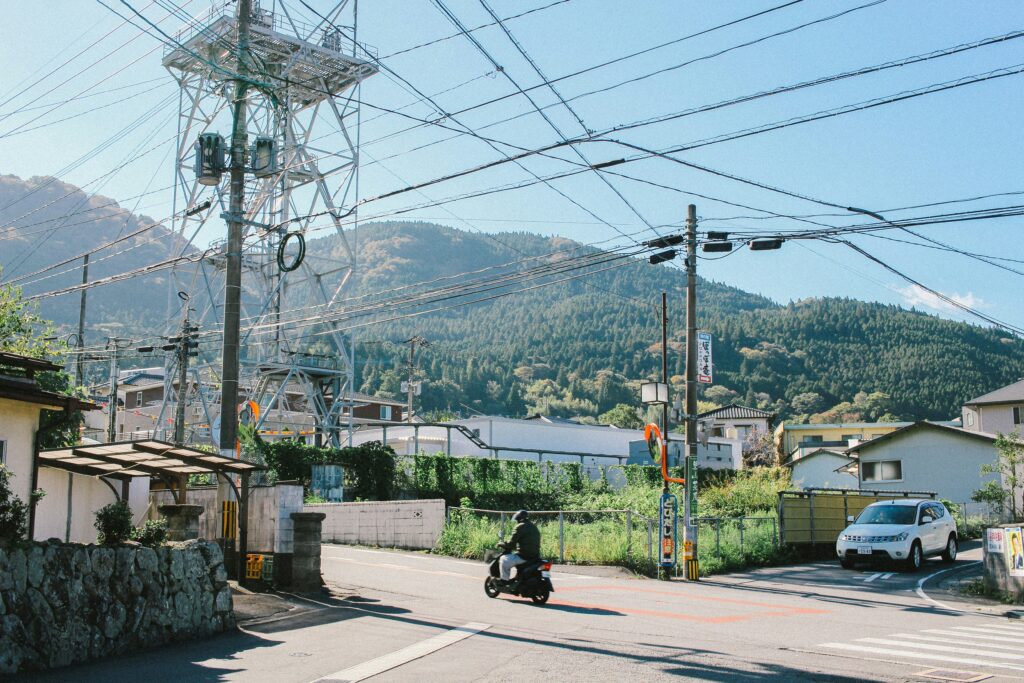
x=849, y=519
x=926, y=520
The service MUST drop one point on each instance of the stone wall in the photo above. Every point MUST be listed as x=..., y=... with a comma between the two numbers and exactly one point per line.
x=65, y=603
x=414, y=524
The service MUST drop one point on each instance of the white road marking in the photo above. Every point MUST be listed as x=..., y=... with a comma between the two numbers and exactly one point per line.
x=943, y=648
x=954, y=639
x=887, y=575
x=872, y=577
x=977, y=636
x=1007, y=627
x=926, y=597
x=981, y=629
x=920, y=655
x=397, y=658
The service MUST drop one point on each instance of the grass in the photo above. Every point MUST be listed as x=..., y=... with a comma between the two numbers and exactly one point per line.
x=980, y=589
x=602, y=539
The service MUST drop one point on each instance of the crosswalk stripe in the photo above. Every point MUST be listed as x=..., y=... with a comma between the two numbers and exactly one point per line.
x=954, y=639
x=1007, y=627
x=920, y=655
x=942, y=648
x=980, y=629
x=978, y=636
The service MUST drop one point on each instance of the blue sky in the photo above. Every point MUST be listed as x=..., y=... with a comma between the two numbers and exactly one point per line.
x=957, y=144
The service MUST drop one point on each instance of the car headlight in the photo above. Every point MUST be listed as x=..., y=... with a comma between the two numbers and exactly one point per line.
x=902, y=537
x=844, y=537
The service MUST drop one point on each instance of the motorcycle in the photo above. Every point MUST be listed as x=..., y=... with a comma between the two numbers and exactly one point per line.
x=532, y=579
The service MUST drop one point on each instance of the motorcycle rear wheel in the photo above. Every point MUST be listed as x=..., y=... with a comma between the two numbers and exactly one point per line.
x=491, y=587
x=541, y=596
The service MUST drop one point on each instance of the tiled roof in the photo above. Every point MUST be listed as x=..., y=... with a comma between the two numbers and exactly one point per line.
x=734, y=412
x=1011, y=393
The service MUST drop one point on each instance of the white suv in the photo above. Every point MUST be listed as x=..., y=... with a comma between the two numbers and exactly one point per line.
x=905, y=530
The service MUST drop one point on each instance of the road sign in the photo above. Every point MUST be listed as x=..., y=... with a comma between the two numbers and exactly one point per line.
x=704, y=357
x=668, y=518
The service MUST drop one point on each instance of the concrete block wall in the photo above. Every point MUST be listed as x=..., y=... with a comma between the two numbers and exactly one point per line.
x=413, y=524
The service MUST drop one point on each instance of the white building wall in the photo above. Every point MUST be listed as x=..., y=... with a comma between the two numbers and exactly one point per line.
x=819, y=471
x=18, y=424
x=948, y=464
x=413, y=524
x=88, y=494
x=997, y=419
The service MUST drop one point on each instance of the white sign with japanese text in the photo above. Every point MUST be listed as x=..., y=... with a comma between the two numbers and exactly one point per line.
x=704, y=357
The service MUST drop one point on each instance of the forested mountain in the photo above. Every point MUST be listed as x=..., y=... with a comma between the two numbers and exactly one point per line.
x=575, y=348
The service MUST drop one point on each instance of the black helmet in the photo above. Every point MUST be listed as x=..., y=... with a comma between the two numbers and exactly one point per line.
x=521, y=515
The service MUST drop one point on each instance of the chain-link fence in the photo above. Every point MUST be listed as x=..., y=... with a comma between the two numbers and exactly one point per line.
x=609, y=537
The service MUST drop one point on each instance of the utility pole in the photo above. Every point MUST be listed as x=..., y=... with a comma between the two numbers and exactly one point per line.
x=81, y=321
x=409, y=385
x=233, y=257
x=184, y=350
x=664, y=373
x=690, y=462
x=113, y=344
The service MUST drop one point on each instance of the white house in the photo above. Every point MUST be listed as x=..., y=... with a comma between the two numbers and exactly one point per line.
x=67, y=510
x=997, y=412
x=823, y=468
x=926, y=456
x=737, y=422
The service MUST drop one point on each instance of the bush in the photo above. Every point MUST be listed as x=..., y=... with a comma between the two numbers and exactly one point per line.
x=114, y=523
x=151, y=534
x=14, y=512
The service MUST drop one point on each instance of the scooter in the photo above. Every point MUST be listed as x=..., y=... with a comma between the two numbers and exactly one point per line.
x=532, y=579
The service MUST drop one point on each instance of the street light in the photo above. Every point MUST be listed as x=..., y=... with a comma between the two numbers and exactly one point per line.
x=654, y=393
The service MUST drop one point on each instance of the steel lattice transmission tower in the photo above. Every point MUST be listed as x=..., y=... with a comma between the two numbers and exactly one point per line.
x=302, y=116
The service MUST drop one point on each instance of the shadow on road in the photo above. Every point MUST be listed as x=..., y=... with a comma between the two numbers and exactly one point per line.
x=582, y=609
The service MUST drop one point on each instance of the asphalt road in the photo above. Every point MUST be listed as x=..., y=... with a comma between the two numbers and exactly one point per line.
x=413, y=617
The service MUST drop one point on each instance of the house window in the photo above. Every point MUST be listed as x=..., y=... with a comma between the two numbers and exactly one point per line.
x=138, y=399
x=385, y=412
x=883, y=470
x=3, y=452
x=970, y=419
x=1018, y=413
x=851, y=437
x=815, y=438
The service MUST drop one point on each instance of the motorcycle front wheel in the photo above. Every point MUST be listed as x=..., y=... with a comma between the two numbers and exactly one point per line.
x=491, y=587
x=541, y=596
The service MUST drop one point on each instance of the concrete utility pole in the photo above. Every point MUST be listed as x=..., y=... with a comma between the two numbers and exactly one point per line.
x=233, y=257
x=690, y=528
x=184, y=352
x=81, y=321
x=113, y=343
x=409, y=385
x=664, y=373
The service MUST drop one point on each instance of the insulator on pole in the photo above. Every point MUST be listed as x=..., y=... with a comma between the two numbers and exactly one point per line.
x=210, y=151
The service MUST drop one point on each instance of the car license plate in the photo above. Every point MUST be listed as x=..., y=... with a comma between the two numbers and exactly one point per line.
x=546, y=575
x=863, y=550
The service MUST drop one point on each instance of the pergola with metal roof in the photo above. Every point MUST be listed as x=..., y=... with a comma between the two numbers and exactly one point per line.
x=126, y=460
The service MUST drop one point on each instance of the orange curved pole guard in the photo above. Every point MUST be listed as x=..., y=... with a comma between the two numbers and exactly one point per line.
x=652, y=428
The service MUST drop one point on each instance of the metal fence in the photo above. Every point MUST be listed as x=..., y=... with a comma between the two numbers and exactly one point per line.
x=614, y=537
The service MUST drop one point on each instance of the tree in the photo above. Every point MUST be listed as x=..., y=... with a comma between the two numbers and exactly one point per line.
x=23, y=331
x=1008, y=465
x=759, y=450
x=807, y=402
x=622, y=416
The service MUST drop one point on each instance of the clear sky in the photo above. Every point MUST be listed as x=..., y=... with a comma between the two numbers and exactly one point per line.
x=961, y=143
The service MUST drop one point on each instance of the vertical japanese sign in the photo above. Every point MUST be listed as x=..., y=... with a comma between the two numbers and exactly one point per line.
x=704, y=357
x=667, y=522
x=691, y=485
x=994, y=537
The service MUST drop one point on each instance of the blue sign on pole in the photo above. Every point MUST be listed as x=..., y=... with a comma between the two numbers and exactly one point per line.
x=668, y=519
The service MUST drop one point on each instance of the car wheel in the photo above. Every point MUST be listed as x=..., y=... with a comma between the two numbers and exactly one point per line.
x=949, y=554
x=915, y=559
x=491, y=587
x=845, y=563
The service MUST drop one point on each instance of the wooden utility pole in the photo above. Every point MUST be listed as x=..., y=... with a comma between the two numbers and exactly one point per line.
x=233, y=257
x=690, y=461
x=664, y=374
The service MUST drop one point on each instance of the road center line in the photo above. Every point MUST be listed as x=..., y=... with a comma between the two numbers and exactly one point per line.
x=397, y=658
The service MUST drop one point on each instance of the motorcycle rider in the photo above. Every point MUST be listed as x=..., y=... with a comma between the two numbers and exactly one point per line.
x=523, y=547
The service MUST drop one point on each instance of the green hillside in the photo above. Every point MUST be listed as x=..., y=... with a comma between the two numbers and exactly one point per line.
x=574, y=348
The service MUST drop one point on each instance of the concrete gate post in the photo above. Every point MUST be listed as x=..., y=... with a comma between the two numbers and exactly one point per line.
x=306, y=557
x=182, y=521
